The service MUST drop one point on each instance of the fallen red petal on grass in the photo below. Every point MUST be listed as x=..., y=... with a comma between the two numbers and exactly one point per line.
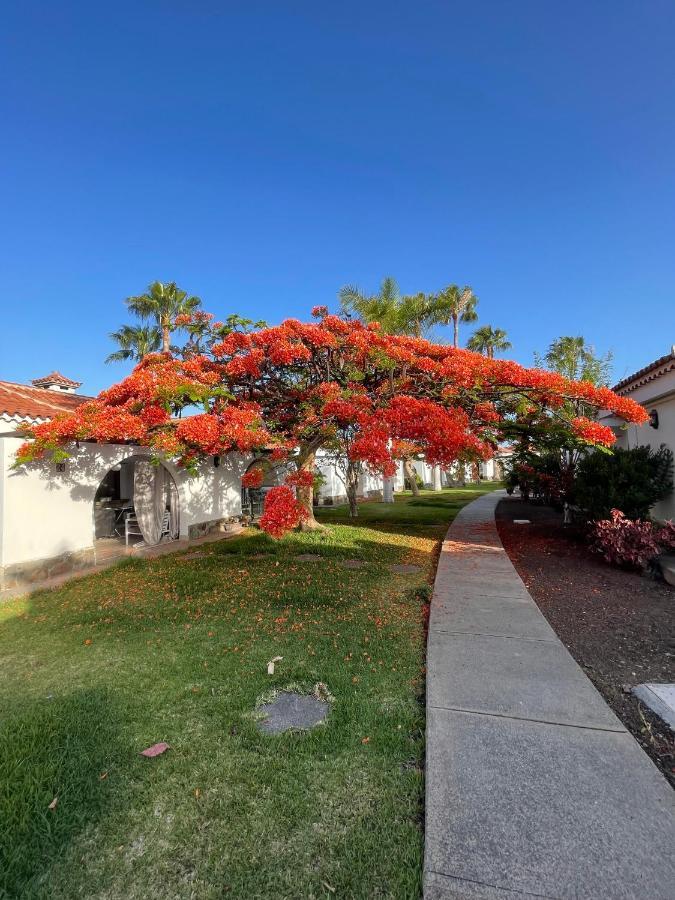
x=155, y=750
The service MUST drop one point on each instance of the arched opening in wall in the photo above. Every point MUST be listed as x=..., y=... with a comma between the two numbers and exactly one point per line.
x=256, y=481
x=136, y=505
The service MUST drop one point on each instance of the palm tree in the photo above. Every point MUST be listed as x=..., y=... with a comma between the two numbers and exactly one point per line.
x=163, y=302
x=415, y=314
x=487, y=340
x=381, y=307
x=135, y=342
x=455, y=305
x=397, y=314
x=574, y=358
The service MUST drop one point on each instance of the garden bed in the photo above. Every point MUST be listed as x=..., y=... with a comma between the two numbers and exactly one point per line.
x=618, y=625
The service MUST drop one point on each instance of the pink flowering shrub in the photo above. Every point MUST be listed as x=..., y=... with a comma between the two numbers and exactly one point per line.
x=667, y=537
x=631, y=543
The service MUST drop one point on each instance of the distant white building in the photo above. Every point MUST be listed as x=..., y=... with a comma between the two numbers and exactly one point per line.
x=333, y=492
x=654, y=388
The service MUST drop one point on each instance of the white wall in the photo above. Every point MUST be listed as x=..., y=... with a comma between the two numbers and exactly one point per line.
x=44, y=513
x=334, y=487
x=658, y=395
x=424, y=470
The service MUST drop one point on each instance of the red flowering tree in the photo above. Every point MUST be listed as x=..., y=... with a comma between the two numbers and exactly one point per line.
x=290, y=389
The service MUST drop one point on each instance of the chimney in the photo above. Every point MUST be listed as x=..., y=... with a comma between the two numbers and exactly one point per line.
x=55, y=381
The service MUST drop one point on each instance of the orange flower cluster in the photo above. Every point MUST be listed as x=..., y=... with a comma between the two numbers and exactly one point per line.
x=281, y=511
x=592, y=432
x=301, y=478
x=253, y=478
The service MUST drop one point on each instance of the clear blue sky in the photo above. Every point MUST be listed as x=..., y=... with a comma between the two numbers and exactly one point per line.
x=262, y=154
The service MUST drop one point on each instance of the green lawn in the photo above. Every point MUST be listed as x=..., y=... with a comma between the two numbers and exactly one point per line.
x=176, y=650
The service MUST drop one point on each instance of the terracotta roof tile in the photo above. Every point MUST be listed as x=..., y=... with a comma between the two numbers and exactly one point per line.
x=56, y=378
x=22, y=401
x=649, y=373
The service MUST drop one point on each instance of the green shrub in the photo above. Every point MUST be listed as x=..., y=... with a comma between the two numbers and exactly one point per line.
x=629, y=480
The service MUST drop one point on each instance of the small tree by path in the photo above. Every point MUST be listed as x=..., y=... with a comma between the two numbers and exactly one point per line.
x=338, y=452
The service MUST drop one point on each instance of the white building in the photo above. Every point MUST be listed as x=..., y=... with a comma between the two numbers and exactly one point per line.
x=332, y=491
x=654, y=388
x=57, y=517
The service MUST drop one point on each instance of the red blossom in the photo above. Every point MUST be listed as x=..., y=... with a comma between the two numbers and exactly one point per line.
x=301, y=478
x=593, y=432
x=281, y=511
x=253, y=478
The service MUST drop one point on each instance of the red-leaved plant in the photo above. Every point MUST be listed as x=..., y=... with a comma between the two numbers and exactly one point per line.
x=631, y=543
x=667, y=537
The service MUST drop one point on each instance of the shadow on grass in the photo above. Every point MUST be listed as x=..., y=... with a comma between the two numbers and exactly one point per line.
x=51, y=748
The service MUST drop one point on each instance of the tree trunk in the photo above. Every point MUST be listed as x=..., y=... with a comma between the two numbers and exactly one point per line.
x=352, y=486
x=166, y=337
x=455, y=322
x=411, y=475
x=306, y=494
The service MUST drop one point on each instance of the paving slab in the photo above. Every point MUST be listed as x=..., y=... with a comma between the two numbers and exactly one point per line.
x=477, y=614
x=445, y=887
x=291, y=711
x=534, y=788
x=517, y=678
x=353, y=564
x=546, y=809
x=502, y=586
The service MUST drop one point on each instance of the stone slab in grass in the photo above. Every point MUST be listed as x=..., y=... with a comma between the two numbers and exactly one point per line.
x=405, y=569
x=309, y=557
x=353, y=564
x=292, y=711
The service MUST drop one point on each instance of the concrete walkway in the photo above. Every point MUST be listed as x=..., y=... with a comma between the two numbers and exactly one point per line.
x=534, y=788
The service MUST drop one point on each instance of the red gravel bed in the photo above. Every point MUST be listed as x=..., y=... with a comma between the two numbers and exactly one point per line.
x=619, y=626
